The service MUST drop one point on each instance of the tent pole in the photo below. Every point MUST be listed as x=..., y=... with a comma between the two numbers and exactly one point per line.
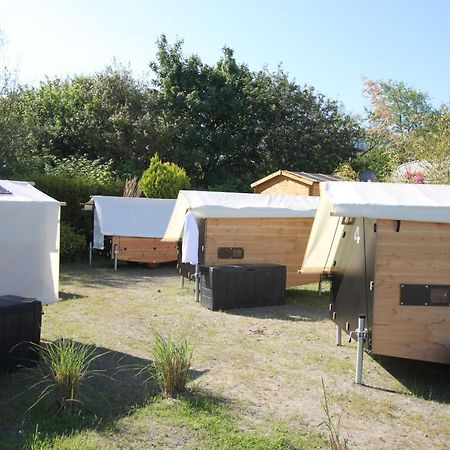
x=90, y=254
x=116, y=253
x=197, y=282
x=338, y=336
x=361, y=337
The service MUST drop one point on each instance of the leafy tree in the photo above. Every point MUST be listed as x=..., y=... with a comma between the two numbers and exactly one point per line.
x=163, y=180
x=432, y=144
x=396, y=107
x=302, y=129
x=12, y=133
x=227, y=125
x=402, y=127
x=108, y=115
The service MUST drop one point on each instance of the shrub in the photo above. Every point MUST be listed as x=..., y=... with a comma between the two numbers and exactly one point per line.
x=163, y=180
x=171, y=363
x=65, y=366
x=72, y=244
x=94, y=171
x=74, y=192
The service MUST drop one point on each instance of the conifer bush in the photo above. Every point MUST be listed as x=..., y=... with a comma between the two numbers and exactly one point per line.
x=163, y=179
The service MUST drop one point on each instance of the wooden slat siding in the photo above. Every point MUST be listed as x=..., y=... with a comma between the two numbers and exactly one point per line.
x=282, y=186
x=315, y=190
x=271, y=240
x=144, y=250
x=418, y=254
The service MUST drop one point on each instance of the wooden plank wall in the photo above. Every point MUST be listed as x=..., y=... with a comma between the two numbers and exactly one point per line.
x=271, y=240
x=144, y=250
x=315, y=189
x=282, y=185
x=418, y=254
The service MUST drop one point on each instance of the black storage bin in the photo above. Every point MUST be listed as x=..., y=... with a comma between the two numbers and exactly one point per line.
x=238, y=286
x=20, y=325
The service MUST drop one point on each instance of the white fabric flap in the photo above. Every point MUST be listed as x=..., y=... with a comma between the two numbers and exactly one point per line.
x=130, y=216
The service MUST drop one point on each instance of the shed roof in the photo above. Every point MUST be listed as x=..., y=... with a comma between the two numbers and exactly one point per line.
x=397, y=201
x=304, y=177
x=232, y=204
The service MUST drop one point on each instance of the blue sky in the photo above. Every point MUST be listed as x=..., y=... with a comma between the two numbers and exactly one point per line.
x=328, y=44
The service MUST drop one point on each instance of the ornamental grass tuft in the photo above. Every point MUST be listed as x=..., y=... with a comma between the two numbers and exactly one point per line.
x=171, y=363
x=65, y=365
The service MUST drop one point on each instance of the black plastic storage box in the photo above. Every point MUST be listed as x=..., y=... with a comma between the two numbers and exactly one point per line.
x=238, y=286
x=20, y=326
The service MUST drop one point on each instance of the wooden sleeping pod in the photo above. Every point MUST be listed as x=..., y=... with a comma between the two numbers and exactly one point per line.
x=143, y=250
x=243, y=229
x=393, y=272
x=134, y=226
x=417, y=254
x=263, y=240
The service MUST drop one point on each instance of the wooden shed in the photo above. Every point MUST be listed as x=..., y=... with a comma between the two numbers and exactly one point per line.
x=235, y=228
x=135, y=225
x=286, y=182
x=387, y=249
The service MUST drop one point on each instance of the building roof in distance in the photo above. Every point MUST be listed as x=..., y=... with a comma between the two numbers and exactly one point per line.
x=304, y=177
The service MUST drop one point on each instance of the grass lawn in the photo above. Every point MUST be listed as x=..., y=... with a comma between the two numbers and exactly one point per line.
x=256, y=375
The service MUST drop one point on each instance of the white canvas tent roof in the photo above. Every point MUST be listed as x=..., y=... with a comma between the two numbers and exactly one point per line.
x=416, y=202
x=29, y=239
x=130, y=216
x=232, y=204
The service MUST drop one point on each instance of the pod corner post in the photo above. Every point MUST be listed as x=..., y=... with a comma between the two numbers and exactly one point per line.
x=197, y=282
x=90, y=254
x=361, y=337
x=116, y=254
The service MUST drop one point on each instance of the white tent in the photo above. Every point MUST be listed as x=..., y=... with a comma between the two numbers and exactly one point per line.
x=398, y=201
x=231, y=204
x=29, y=239
x=129, y=216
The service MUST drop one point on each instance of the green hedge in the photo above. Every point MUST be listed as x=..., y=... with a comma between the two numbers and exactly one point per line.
x=74, y=192
x=73, y=244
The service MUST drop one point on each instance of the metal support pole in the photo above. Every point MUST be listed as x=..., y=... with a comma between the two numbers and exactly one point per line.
x=197, y=282
x=90, y=254
x=181, y=281
x=116, y=254
x=338, y=336
x=319, y=288
x=361, y=337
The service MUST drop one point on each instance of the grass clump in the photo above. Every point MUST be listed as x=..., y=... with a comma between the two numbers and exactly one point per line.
x=334, y=437
x=171, y=363
x=65, y=364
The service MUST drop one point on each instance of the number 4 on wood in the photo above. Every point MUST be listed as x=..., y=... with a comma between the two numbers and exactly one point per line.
x=357, y=236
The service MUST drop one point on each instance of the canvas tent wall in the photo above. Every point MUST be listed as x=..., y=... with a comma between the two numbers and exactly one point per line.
x=136, y=226
x=240, y=228
x=387, y=248
x=29, y=239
